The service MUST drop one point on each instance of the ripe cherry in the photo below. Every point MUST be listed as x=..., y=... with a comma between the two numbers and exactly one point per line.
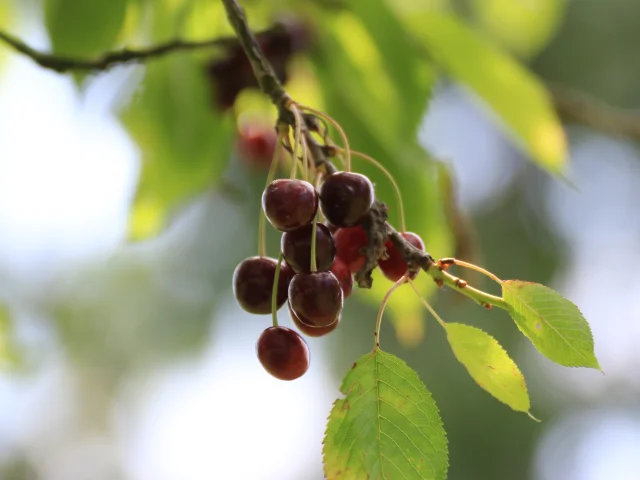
x=256, y=144
x=253, y=284
x=283, y=353
x=296, y=248
x=289, y=204
x=316, y=298
x=311, y=331
x=394, y=266
x=349, y=244
x=345, y=198
x=343, y=274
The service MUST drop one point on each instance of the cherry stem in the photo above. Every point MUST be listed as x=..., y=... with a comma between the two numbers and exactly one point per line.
x=340, y=131
x=318, y=182
x=274, y=292
x=262, y=221
x=427, y=305
x=471, y=266
x=297, y=138
x=314, y=264
x=396, y=188
x=305, y=159
x=385, y=300
x=483, y=298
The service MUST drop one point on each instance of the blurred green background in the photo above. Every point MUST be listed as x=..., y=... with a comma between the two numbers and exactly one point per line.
x=125, y=205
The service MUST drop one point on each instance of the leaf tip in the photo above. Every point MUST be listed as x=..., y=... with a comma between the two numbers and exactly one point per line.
x=533, y=418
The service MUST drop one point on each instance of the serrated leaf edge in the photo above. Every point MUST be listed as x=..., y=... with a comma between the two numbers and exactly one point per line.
x=543, y=319
x=507, y=355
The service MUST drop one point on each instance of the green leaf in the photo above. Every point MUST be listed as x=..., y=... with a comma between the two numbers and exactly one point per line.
x=489, y=365
x=372, y=119
x=185, y=142
x=9, y=353
x=523, y=27
x=553, y=324
x=83, y=28
x=412, y=77
x=386, y=427
x=513, y=93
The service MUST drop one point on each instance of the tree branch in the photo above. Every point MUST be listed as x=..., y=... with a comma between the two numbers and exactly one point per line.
x=262, y=69
x=107, y=60
x=579, y=108
x=572, y=106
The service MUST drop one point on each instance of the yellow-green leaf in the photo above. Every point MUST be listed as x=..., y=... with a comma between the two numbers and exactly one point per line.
x=554, y=325
x=511, y=91
x=9, y=354
x=185, y=142
x=387, y=427
x=489, y=365
x=83, y=27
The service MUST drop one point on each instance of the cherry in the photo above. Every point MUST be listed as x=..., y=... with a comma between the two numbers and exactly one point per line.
x=349, y=244
x=343, y=274
x=394, y=266
x=256, y=144
x=253, y=284
x=345, y=198
x=296, y=248
x=316, y=298
x=311, y=331
x=290, y=204
x=283, y=353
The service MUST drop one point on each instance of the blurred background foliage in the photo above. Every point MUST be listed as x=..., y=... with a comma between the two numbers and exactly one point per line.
x=126, y=203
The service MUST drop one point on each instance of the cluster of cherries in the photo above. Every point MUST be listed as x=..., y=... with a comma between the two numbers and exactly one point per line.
x=315, y=286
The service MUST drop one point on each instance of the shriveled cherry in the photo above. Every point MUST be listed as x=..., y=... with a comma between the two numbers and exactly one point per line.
x=349, y=244
x=283, y=353
x=343, y=274
x=253, y=284
x=316, y=298
x=289, y=203
x=296, y=248
x=394, y=266
x=311, y=331
x=346, y=197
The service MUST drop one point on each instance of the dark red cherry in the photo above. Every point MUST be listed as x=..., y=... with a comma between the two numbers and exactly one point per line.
x=296, y=248
x=283, y=353
x=345, y=198
x=311, y=331
x=289, y=203
x=256, y=145
x=343, y=274
x=253, y=284
x=316, y=298
x=394, y=266
x=349, y=244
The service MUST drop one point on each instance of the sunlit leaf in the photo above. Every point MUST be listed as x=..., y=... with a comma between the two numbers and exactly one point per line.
x=510, y=90
x=554, y=325
x=83, y=28
x=9, y=354
x=523, y=27
x=489, y=365
x=184, y=141
x=5, y=23
x=369, y=120
x=411, y=77
x=387, y=426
